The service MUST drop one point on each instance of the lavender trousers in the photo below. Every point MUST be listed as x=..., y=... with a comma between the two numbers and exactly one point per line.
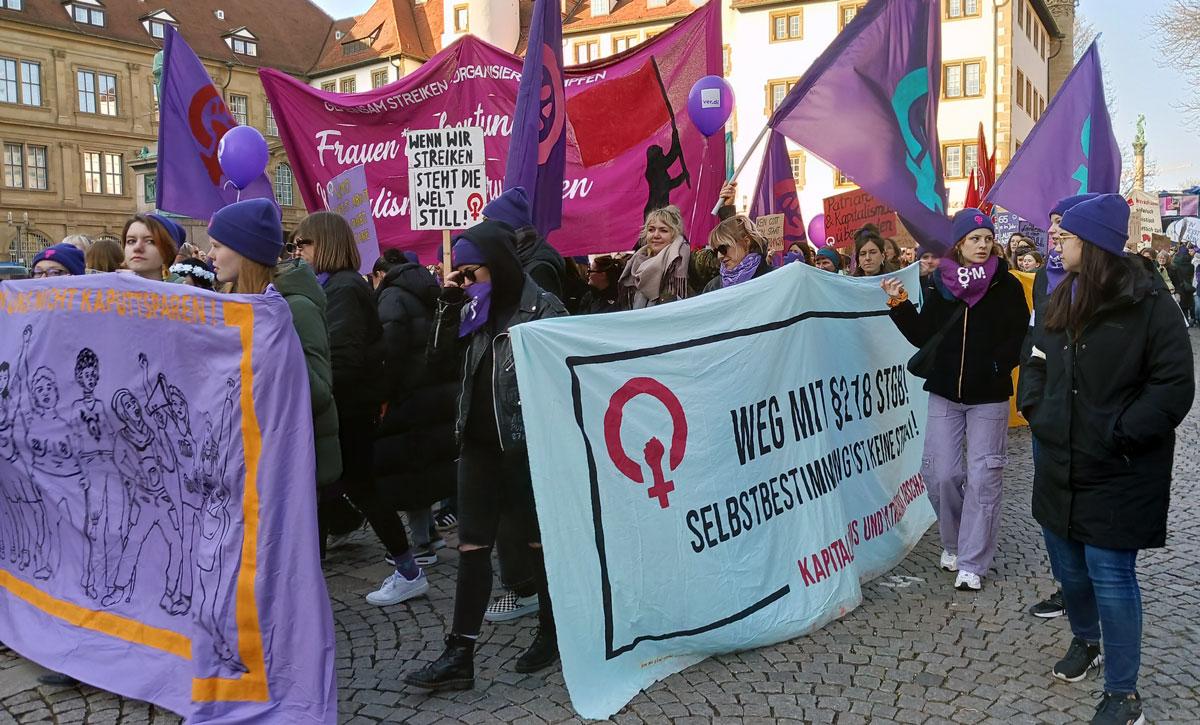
x=966, y=492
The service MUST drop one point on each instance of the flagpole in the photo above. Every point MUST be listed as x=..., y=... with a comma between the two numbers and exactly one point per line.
x=738, y=171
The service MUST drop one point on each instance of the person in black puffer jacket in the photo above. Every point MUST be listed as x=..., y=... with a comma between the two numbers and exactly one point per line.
x=484, y=298
x=1109, y=379
x=326, y=242
x=414, y=444
x=975, y=313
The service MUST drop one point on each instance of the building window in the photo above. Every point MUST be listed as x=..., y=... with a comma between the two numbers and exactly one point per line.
x=10, y=4
x=329, y=86
x=787, y=25
x=797, y=160
x=962, y=9
x=1030, y=102
x=1020, y=87
x=239, y=106
x=14, y=165
x=38, y=167
x=846, y=13
x=8, y=81
x=840, y=179
x=272, y=129
x=959, y=158
x=283, y=185
x=150, y=188
x=348, y=85
x=379, y=78
x=963, y=79
x=622, y=43
x=462, y=18
x=1021, y=14
x=87, y=15
x=29, y=82
x=777, y=91
x=242, y=46
x=157, y=29
x=587, y=51
x=97, y=92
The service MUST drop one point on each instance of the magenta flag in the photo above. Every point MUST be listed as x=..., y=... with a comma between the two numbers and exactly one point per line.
x=537, y=154
x=1070, y=151
x=158, y=507
x=868, y=106
x=471, y=83
x=776, y=190
x=193, y=118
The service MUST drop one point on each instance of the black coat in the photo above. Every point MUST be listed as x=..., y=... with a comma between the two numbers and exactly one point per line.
x=1104, y=407
x=355, y=342
x=541, y=261
x=415, y=450
x=974, y=362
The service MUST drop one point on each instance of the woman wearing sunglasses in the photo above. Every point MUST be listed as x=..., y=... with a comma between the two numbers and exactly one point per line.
x=484, y=297
x=658, y=272
x=741, y=251
x=326, y=242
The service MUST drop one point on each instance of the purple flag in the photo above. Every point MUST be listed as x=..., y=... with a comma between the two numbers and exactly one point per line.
x=193, y=118
x=868, y=106
x=537, y=153
x=348, y=196
x=159, y=506
x=776, y=190
x=1070, y=151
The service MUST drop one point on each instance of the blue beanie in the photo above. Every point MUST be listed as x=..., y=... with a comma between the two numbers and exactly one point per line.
x=511, y=207
x=1102, y=220
x=251, y=228
x=831, y=255
x=968, y=220
x=465, y=252
x=178, y=233
x=1061, y=207
x=68, y=255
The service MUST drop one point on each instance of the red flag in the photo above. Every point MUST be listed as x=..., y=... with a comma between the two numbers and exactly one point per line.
x=987, y=172
x=973, y=195
x=601, y=132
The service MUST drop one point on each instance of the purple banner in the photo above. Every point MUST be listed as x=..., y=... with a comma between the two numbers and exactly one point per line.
x=471, y=83
x=158, y=516
x=193, y=120
x=868, y=106
x=347, y=196
x=776, y=190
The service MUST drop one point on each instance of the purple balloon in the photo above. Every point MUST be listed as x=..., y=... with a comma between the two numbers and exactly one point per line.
x=710, y=104
x=816, y=230
x=243, y=155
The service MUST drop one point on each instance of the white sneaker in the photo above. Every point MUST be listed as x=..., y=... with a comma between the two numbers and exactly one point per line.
x=967, y=582
x=949, y=561
x=397, y=589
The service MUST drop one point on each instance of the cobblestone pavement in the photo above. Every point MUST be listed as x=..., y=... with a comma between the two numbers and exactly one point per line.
x=916, y=651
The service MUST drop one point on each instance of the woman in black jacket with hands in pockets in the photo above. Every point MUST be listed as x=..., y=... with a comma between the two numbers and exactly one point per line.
x=1109, y=379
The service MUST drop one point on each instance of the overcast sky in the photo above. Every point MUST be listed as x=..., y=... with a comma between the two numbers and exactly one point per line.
x=1140, y=83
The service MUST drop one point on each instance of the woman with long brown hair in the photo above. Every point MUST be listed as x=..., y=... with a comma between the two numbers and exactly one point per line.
x=151, y=243
x=1109, y=379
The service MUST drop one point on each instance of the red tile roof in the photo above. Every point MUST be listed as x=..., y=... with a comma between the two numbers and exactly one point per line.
x=287, y=46
x=398, y=25
x=578, y=17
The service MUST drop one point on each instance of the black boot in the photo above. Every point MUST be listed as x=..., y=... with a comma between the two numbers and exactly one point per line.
x=541, y=654
x=454, y=670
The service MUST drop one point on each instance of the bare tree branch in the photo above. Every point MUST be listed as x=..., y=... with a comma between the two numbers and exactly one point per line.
x=1177, y=28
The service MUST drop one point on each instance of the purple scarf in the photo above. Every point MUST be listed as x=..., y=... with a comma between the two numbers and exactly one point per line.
x=1055, y=272
x=968, y=283
x=743, y=271
x=479, y=306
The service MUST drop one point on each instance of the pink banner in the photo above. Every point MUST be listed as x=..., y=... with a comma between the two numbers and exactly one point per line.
x=472, y=83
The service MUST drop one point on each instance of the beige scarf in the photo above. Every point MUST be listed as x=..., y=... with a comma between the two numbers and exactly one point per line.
x=646, y=274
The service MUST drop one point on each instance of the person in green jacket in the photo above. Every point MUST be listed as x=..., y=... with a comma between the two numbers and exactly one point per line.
x=247, y=238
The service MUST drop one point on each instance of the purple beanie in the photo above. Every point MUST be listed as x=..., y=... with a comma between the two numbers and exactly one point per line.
x=465, y=252
x=511, y=207
x=68, y=255
x=178, y=233
x=1061, y=207
x=1102, y=221
x=251, y=228
x=967, y=221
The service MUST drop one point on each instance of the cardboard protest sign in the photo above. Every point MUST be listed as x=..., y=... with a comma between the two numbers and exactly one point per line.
x=348, y=196
x=682, y=519
x=1145, y=217
x=447, y=177
x=1008, y=224
x=161, y=504
x=771, y=227
x=848, y=212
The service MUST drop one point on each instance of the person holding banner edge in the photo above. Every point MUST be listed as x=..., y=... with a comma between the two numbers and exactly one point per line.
x=970, y=328
x=1109, y=378
x=485, y=296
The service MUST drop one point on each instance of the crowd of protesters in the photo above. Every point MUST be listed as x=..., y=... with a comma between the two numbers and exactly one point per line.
x=1106, y=376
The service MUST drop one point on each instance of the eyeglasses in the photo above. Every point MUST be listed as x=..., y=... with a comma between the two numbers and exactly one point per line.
x=720, y=249
x=302, y=243
x=469, y=272
x=39, y=273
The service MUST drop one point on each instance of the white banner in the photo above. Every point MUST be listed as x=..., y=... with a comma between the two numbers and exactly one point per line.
x=720, y=473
